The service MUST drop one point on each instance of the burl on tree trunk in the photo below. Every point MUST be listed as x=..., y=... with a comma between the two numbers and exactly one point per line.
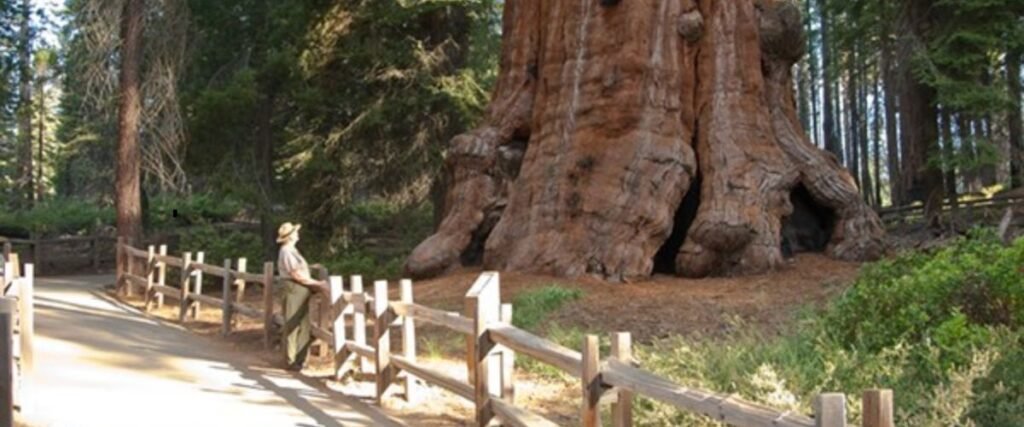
x=622, y=135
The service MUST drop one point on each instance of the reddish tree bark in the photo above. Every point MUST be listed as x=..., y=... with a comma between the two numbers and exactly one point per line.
x=129, y=206
x=603, y=116
x=918, y=116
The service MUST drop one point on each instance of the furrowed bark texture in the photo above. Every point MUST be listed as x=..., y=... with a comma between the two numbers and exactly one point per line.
x=129, y=204
x=605, y=114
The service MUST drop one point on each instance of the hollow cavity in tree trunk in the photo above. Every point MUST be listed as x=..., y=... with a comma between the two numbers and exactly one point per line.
x=625, y=137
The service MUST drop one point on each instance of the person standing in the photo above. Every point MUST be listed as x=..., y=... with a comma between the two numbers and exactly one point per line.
x=296, y=336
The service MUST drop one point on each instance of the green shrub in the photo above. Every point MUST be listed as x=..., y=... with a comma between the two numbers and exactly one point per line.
x=942, y=329
x=57, y=217
x=203, y=208
x=219, y=244
x=77, y=217
x=356, y=262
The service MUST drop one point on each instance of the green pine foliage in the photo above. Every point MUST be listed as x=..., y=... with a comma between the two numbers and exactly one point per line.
x=382, y=95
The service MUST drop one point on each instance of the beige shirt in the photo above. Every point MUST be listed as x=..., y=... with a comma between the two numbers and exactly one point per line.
x=290, y=260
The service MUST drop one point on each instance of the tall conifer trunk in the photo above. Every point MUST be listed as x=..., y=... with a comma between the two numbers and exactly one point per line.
x=614, y=125
x=833, y=142
x=922, y=179
x=1013, y=60
x=129, y=207
x=892, y=142
x=26, y=172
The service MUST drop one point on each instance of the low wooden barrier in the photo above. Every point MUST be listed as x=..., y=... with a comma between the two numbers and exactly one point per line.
x=152, y=281
x=42, y=259
x=344, y=315
x=970, y=211
x=17, y=333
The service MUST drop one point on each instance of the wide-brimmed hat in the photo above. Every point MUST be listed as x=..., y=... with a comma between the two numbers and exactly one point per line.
x=287, y=229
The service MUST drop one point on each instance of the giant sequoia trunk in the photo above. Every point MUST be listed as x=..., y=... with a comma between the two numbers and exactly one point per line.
x=614, y=126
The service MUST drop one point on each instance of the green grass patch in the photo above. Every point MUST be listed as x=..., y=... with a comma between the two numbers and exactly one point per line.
x=532, y=307
x=570, y=337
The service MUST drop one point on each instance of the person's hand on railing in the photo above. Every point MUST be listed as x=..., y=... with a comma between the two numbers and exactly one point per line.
x=320, y=286
x=302, y=277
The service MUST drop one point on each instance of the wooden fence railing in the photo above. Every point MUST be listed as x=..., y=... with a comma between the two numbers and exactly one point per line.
x=17, y=332
x=152, y=281
x=356, y=326
x=41, y=251
x=970, y=210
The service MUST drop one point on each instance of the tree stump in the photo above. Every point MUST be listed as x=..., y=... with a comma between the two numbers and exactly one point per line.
x=623, y=132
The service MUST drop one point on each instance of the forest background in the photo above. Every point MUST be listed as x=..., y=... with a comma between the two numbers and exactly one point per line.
x=337, y=113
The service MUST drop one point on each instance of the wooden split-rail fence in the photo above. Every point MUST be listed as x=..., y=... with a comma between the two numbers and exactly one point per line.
x=75, y=252
x=17, y=331
x=985, y=210
x=356, y=324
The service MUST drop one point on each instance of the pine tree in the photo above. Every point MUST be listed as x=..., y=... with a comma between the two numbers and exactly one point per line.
x=129, y=205
x=26, y=181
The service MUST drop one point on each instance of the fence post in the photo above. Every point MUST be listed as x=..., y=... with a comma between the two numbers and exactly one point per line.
x=484, y=302
x=26, y=313
x=161, y=277
x=340, y=309
x=186, y=273
x=591, y=382
x=37, y=254
x=227, y=311
x=200, y=258
x=7, y=251
x=8, y=273
x=322, y=318
x=268, y=303
x=119, y=264
x=830, y=410
x=622, y=409
x=382, y=339
x=6, y=362
x=94, y=248
x=243, y=264
x=15, y=265
x=129, y=264
x=359, y=323
x=409, y=342
x=877, y=408
x=508, y=360
x=150, y=267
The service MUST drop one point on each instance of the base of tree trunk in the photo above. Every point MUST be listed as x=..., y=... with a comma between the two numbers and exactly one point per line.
x=655, y=133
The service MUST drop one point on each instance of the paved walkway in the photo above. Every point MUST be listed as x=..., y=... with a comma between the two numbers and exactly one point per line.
x=100, y=363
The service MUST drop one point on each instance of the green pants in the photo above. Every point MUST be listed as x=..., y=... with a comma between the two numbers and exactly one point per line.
x=295, y=335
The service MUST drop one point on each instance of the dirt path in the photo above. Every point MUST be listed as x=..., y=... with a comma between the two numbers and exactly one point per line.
x=100, y=363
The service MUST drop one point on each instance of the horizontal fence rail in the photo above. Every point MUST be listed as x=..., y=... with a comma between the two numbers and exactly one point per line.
x=39, y=251
x=355, y=326
x=990, y=208
x=146, y=270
